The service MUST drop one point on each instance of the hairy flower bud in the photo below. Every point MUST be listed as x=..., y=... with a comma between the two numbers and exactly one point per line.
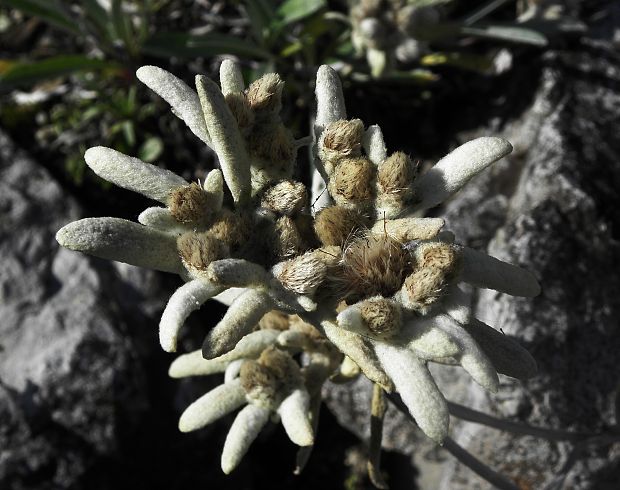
x=198, y=250
x=190, y=204
x=341, y=139
x=381, y=316
x=265, y=94
x=334, y=225
x=351, y=184
x=286, y=197
x=395, y=176
x=242, y=111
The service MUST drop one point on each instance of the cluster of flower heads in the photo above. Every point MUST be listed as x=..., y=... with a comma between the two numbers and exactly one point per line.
x=362, y=283
x=389, y=31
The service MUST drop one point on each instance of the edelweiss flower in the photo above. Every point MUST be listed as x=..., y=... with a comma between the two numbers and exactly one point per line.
x=211, y=246
x=261, y=374
x=399, y=274
x=380, y=282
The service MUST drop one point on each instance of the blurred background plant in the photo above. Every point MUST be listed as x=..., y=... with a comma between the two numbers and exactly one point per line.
x=67, y=67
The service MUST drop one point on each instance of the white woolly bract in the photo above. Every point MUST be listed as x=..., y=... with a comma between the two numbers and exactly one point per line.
x=483, y=271
x=227, y=297
x=226, y=139
x=507, y=356
x=246, y=427
x=295, y=414
x=329, y=99
x=240, y=318
x=123, y=241
x=351, y=319
x=457, y=304
x=237, y=273
x=471, y=357
x=329, y=108
x=214, y=185
x=408, y=229
x=355, y=347
x=456, y=169
x=428, y=341
x=161, y=219
x=233, y=369
x=186, y=299
x=213, y=405
x=251, y=346
x=373, y=144
x=231, y=78
x=417, y=389
x=132, y=173
x=193, y=364
x=182, y=99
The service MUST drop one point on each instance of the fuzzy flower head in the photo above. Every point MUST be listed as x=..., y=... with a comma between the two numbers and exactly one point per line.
x=366, y=274
x=263, y=377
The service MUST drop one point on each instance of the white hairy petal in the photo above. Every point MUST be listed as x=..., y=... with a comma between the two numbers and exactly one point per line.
x=246, y=427
x=472, y=357
x=483, y=271
x=193, y=364
x=226, y=139
x=239, y=320
x=213, y=405
x=227, y=297
x=351, y=319
x=506, y=354
x=233, y=370
x=457, y=304
x=355, y=347
x=123, y=241
x=186, y=299
x=295, y=413
x=408, y=229
x=456, y=169
x=231, y=78
x=329, y=108
x=182, y=99
x=161, y=219
x=417, y=389
x=251, y=346
x=428, y=341
x=214, y=185
x=132, y=173
x=373, y=144
x=237, y=273
x=329, y=99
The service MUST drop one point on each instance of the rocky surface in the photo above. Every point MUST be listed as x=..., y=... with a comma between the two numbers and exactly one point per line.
x=562, y=222
x=68, y=375
x=85, y=400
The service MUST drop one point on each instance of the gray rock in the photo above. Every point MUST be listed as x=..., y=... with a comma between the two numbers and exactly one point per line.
x=562, y=222
x=68, y=374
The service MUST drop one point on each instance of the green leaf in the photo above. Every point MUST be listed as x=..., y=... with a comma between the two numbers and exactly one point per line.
x=293, y=10
x=469, y=61
x=129, y=132
x=513, y=34
x=100, y=18
x=121, y=23
x=188, y=46
x=48, y=11
x=151, y=150
x=28, y=73
x=261, y=16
